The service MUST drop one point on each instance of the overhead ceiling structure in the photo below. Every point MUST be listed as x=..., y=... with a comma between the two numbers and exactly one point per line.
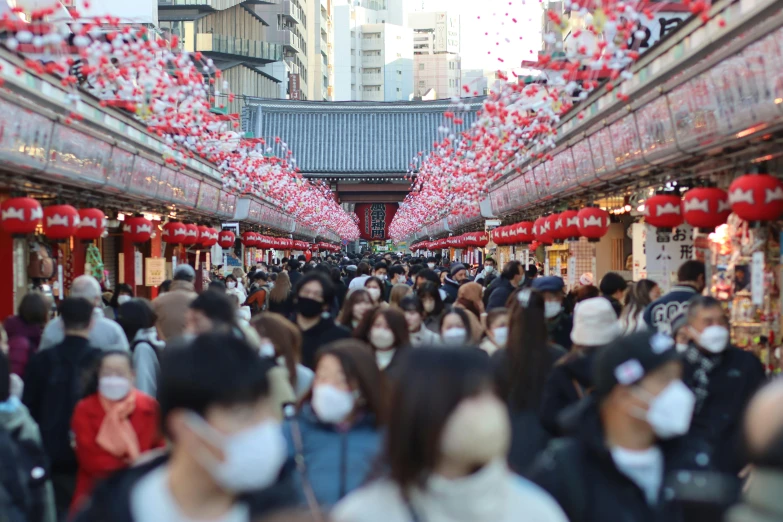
x=364, y=150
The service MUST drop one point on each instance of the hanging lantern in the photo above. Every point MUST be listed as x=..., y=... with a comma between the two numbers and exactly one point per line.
x=174, y=232
x=208, y=236
x=308, y=255
x=524, y=232
x=92, y=224
x=60, y=222
x=551, y=223
x=21, y=216
x=593, y=223
x=482, y=239
x=226, y=239
x=494, y=234
x=191, y=235
x=567, y=225
x=663, y=211
x=706, y=208
x=137, y=228
x=250, y=239
x=757, y=197
x=542, y=231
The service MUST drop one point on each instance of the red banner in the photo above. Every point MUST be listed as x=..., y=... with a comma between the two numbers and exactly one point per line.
x=374, y=220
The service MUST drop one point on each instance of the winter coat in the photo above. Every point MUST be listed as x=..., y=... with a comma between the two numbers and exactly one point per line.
x=452, y=291
x=716, y=428
x=15, y=419
x=493, y=494
x=660, y=312
x=580, y=473
x=95, y=463
x=569, y=381
x=337, y=459
x=171, y=309
x=425, y=337
x=500, y=290
x=14, y=496
x=323, y=333
x=559, y=329
x=104, y=334
x=432, y=322
x=111, y=500
x=23, y=342
x=146, y=348
x=762, y=502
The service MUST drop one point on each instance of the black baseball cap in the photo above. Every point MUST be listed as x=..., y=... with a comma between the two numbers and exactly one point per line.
x=627, y=360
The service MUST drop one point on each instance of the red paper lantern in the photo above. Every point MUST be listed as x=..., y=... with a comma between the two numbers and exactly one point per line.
x=174, y=232
x=593, y=223
x=21, y=216
x=481, y=239
x=191, y=235
x=663, y=211
x=92, y=224
x=757, y=197
x=138, y=229
x=567, y=225
x=60, y=222
x=308, y=255
x=706, y=207
x=524, y=231
x=250, y=239
x=226, y=239
x=208, y=236
x=542, y=231
x=550, y=224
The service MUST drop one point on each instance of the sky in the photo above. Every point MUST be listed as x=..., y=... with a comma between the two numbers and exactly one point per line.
x=488, y=33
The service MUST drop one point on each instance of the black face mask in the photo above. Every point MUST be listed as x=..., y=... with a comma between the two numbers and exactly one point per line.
x=309, y=308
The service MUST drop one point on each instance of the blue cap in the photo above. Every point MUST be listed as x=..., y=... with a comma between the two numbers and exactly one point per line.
x=548, y=284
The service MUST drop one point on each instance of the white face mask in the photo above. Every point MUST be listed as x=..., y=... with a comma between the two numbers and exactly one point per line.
x=382, y=277
x=429, y=306
x=382, y=338
x=501, y=335
x=332, y=405
x=489, y=269
x=121, y=300
x=670, y=412
x=114, y=388
x=431, y=265
x=375, y=293
x=253, y=457
x=231, y=285
x=267, y=349
x=552, y=309
x=401, y=280
x=455, y=336
x=714, y=338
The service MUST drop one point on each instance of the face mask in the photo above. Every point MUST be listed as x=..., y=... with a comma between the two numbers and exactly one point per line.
x=381, y=338
x=431, y=265
x=552, y=309
x=121, y=300
x=714, y=339
x=455, y=336
x=375, y=293
x=267, y=349
x=332, y=405
x=501, y=335
x=253, y=457
x=489, y=269
x=382, y=277
x=231, y=285
x=309, y=308
x=482, y=418
x=114, y=388
x=429, y=306
x=401, y=280
x=670, y=412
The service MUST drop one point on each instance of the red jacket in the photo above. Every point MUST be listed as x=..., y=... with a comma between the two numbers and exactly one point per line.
x=95, y=463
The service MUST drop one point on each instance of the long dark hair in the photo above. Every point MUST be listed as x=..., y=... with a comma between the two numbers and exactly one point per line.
x=137, y=314
x=429, y=289
x=436, y=382
x=361, y=371
x=119, y=289
x=397, y=324
x=463, y=316
x=529, y=360
x=346, y=314
x=93, y=376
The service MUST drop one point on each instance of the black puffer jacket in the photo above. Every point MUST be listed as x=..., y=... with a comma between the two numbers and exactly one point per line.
x=570, y=380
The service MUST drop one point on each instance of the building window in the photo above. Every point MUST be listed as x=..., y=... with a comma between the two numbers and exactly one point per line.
x=399, y=90
x=399, y=72
x=421, y=66
x=422, y=83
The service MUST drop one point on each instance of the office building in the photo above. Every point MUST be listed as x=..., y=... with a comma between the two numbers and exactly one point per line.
x=436, y=45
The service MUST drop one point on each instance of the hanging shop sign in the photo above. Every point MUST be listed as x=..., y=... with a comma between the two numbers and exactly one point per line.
x=374, y=219
x=24, y=137
x=665, y=252
x=145, y=178
x=154, y=271
x=638, y=242
x=208, y=197
x=119, y=170
x=78, y=156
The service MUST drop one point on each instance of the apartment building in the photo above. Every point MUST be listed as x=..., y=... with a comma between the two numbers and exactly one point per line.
x=436, y=44
x=320, y=51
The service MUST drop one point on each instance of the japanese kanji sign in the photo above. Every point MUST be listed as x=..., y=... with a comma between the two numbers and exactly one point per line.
x=665, y=252
x=374, y=219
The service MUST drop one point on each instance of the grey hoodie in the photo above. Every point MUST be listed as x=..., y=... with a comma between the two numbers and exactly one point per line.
x=17, y=417
x=145, y=360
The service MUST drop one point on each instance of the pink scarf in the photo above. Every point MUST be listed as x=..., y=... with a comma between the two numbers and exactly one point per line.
x=116, y=434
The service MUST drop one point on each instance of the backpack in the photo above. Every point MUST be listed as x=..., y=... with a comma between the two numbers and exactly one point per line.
x=34, y=466
x=63, y=390
x=254, y=307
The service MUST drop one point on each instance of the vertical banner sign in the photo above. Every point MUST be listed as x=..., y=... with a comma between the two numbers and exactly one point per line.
x=559, y=266
x=138, y=268
x=526, y=254
x=374, y=220
x=293, y=87
x=173, y=263
x=665, y=253
x=546, y=265
x=209, y=261
x=571, y=272
x=60, y=293
x=121, y=268
x=757, y=279
x=638, y=238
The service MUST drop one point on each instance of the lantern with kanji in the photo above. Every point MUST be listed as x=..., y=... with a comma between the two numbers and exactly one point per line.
x=138, y=229
x=208, y=236
x=250, y=239
x=226, y=239
x=567, y=226
x=593, y=223
x=191, y=235
x=706, y=208
x=92, y=224
x=174, y=232
x=21, y=216
x=542, y=230
x=663, y=211
x=757, y=197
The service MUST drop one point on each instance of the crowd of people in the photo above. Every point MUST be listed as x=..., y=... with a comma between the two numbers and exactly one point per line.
x=383, y=387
